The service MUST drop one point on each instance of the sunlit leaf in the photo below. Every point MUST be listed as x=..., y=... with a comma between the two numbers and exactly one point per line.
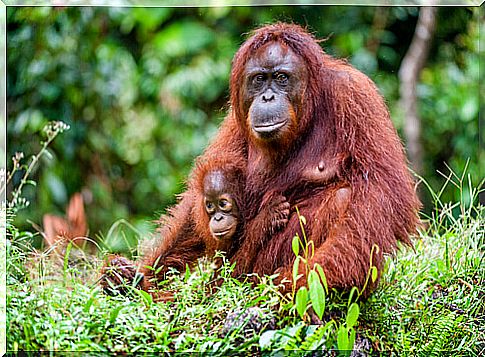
x=322, y=276
x=146, y=297
x=317, y=294
x=342, y=338
x=114, y=314
x=352, y=315
x=301, y=301
x=374, y=274
x=295, y=245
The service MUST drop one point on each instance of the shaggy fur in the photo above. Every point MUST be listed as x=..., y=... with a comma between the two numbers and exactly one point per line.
x=368, y=199
x=343, y=115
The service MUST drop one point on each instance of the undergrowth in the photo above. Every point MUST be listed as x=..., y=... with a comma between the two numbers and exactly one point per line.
x=430, y=300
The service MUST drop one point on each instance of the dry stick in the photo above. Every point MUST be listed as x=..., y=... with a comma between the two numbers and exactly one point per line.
x=409, y=72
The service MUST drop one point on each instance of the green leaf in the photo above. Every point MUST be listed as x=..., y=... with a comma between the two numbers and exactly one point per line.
x=90, y=301
x=351, y=295
x=146, y=297
x=374, y=274
x=296, y=265
x=317, y=294
x=301, y=301
x=322, y=276
x=295, y=245
x=469, y=109
x=352, y=339
x=114, y=314
x=352, y=315
x=183, y=38
x=187, y=274
x=342, y=338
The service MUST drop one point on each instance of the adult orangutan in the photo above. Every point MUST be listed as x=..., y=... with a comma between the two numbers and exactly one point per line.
x=315, y=134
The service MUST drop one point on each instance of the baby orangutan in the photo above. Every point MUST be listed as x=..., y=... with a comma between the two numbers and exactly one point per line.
x=222, y=210
x=220, y=220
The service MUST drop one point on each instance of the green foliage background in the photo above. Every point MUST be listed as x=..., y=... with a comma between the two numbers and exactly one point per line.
x=144, y=90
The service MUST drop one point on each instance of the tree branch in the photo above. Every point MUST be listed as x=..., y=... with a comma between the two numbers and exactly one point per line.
x=409, y=72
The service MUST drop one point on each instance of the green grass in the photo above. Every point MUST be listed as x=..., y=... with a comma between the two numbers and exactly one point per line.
x=430, y=299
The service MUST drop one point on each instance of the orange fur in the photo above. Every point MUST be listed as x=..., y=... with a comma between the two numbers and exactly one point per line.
x=344, y=115
x=369, y=200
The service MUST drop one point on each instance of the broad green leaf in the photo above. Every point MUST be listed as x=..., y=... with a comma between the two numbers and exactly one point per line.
x=183, y=38
x=342, y=338
x=469, y=109
x=301, y=301
x=146, y=297
x=352, y=315
x=317, y=294
x=352, y=338
x=295, y=245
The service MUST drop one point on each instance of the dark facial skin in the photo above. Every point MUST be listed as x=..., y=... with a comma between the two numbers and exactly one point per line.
x=220, y=206
x=274, y=84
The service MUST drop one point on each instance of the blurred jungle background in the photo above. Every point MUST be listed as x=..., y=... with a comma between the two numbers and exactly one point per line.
x=144, y=90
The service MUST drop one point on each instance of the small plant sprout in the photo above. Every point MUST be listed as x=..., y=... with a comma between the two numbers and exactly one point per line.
x=315, y=291
x=372, y=274
x=51, y=130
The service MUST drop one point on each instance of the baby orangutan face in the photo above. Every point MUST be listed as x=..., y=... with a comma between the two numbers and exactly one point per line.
x=220, y=205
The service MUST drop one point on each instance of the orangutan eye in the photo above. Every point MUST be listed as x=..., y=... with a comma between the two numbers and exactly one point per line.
x=259, y=79
x=209, y=206
x=225, y=205
x=281, y=78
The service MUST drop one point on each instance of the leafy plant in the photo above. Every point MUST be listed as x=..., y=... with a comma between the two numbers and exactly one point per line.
x=314, y=294
x=316, y=290
x=51, y=130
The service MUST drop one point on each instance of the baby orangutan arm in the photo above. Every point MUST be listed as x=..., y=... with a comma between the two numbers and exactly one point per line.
x=118, y=273
x=272, y=217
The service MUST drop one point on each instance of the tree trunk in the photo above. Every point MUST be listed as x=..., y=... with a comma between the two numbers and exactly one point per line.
x=409, y=72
